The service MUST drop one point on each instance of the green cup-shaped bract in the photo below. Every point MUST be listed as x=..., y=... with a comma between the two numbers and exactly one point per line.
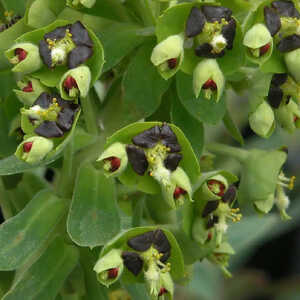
x=82, y=76
x=286, y=115
x=112, y=260
x=178, y=178
x=292, y=60
x=170, y=48
x=30, y=64
x=257, y=36
x=205, y=70
x=117, y=150
x=28, y=98
x=39, y=149
x=259, y=177
x=262, y=120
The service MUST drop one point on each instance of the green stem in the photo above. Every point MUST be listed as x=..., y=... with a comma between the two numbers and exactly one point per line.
x=237, y=153
x=4, y=203
x=65, y=186
x=89, y=115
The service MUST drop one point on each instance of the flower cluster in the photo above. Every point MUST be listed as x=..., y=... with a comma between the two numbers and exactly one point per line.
x=156, y=153
x=145, y=256
x=48, y=116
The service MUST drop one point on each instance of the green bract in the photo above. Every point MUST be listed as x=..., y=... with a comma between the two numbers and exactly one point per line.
x=38, y=148
x=25, y=56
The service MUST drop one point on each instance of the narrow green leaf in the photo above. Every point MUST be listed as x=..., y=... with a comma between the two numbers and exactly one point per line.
x=93, y=218
x=45, y=277
x=203, y=110
x=232, y=128
x=26, y=232
x=191, y=127
x=143, y=86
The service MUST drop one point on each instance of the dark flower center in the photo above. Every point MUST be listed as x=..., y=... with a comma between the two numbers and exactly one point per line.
x=70, y=83
x=27, y=146
x=210, y=84
x=162, y=291
x=113, y=273
x=115, y=163
x=172, y=63
x=264, y=49
x=21, y=53
x=178, y=192
x=217, y=187
x=28, y=88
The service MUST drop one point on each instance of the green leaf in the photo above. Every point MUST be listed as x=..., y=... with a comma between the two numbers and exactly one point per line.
x=17, y=6
x=93, y=220
x=27, y=231
x=143, y=86
x=192, y=128
x=7, y=83
x=176, y=259
x=43, y=12
x=137, y=291
x=118, y=41
x=8, y=143
x=232, y=128
x=203, y=110
x=45, y=277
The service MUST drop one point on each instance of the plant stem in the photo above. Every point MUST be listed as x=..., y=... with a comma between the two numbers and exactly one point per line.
x=89, y=115
x=237, y=153
x=65, y=187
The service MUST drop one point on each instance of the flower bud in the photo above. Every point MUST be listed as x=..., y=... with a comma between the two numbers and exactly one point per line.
x=114, y=159
x=209, y=78
x=220, y=257
x=287, y=115
x=168, y=55
x=109, y=268
x=292, y=60
x=259, y=42
x=25, y=57
x=214, y=187
x=262, y=120
x=178, y=189
x=75, y=83
x=30, y=90
x=34, y=149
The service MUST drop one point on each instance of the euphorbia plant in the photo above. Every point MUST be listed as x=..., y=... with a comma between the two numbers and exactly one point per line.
x=113, y=96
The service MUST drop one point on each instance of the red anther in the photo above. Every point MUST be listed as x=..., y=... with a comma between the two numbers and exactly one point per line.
x=209, y=236
x=162, y=291
x=210, y=84
x=115, y=163
x=264, y=49
x=28, y=88
x=27, y=146
x=178, y=192
x=21, y=53
x=212, y=183
x=70, y=83
x=172, y=63
x=113, y=273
